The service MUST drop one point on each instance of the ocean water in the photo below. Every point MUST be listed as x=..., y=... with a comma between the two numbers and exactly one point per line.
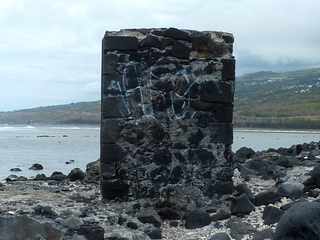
x=53, y=146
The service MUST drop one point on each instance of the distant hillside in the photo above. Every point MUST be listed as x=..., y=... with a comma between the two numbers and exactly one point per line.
x=263, y=99
x=74, y=113
x=282, y=100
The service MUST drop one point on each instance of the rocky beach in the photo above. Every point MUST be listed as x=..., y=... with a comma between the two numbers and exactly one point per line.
x=273, y=192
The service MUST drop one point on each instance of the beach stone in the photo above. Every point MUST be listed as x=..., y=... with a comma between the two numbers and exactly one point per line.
x=271, y=215
x=36, y=167
x=57, y=176
x=91, y=231
x=220, y=236
x=40, y=177
x=23, y=227
x=149, y=215
x=267, y=197
x=301, y=222
x=244, y=153
x=197, y=219
x=241, y=205
x=76, y=174
x=238, y=228
x=93, y=172
x=46, y=211
x=153, y=232
x=243, y=188
x=221, y=214
x=73, y=222
x=291, y=190
x=266, y=234
x=15, y=170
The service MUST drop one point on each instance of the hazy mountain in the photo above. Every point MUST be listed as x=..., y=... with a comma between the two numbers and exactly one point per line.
x=288, y=99
x=263, y=99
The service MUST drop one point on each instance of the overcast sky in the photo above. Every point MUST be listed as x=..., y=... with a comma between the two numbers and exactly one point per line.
x=50, y=49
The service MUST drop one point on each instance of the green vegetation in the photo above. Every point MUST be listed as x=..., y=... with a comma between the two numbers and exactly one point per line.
x=278, y=100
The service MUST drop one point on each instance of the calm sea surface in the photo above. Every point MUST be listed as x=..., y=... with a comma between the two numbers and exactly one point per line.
x=52, y=146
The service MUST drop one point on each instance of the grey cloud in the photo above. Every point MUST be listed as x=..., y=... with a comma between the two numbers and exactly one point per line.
x=50, y=50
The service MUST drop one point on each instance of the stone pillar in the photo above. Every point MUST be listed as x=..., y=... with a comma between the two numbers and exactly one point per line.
x=167, y=104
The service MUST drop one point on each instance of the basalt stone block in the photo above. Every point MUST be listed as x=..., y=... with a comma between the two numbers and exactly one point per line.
x=211, y=112
x=216, y=91
x=115, y=107
x=111, y=129
x=112, y=153
x=228, y=71
x=122, y=43
x=180, y=49
x=175, y=34
x=114, y=189
x=221, y=132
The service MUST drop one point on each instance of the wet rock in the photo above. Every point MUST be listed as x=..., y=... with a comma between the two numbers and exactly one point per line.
x=23, y=227
x=271, y=215
x=15, y=178
x=93, y=172
x=76, y=174
x=57, y=176
x=241, y=205
x=220, y=236
x=36, y=167
x=267, y=197
x=15, y=170
x=197, y=219
x=149, y=215
x=302, y=222
x=46, y=211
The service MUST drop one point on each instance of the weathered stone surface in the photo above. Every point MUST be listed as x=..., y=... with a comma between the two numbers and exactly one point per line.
x=23, y=227
x=167, y=103
x=120, y=43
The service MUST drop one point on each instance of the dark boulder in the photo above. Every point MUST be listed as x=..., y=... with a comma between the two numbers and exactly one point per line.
x=220, y=236
x=314, y=180
x=271, y=215
x=93, y=172
x=291, y=190
x=302, y=222
x=266, y=234
x=112, y=189
x=40, y=177
x=197, y=219
x=23, y=227
x=36, y=167
x=15, y=170
x=76, y=174
x=241, y=205
x=221, y=214
x=57, y=176
x=239, y=228
x=267, y=197
x=244, y=189
x=149, y=215
x=91, y=231
x=46, y=211
x=244, y=153
x=152, y=231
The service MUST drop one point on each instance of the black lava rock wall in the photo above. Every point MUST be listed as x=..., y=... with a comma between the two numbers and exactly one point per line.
x=167, y=104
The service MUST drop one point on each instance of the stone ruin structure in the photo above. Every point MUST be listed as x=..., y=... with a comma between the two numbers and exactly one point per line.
x=167, y=104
